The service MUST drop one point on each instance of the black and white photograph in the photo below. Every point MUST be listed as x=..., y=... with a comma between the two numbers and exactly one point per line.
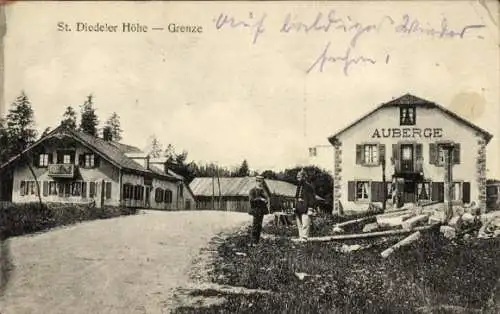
x=249, y=157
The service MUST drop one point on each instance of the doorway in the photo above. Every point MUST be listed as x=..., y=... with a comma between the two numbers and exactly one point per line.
x=407, y=158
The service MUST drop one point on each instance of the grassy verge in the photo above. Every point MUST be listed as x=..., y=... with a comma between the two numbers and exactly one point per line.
x=431, y=272
x=19, y=219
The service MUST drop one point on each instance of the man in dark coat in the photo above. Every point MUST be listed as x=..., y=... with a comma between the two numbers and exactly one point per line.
x=304, y=206
x=259, y=206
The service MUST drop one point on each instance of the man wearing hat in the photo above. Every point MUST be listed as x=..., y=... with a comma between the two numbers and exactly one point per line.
x=305, y=202
x=259, y=206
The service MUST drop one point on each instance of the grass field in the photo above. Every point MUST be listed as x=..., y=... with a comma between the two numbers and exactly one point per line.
x=432, y=275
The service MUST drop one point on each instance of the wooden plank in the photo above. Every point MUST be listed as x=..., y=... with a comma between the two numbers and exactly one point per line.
x=410, y=223
x=406, y=241
x=366, y=235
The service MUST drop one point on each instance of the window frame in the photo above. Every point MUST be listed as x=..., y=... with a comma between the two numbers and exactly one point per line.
x=410, y=116
x=40, y=159
x=375, y=150
x=91, y=160
x=368, y=192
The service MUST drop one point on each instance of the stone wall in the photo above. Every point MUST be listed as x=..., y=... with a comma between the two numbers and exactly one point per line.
x=481, y=171
x=337, y=179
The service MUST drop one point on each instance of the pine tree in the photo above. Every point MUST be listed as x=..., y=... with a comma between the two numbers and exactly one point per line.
x=243, y=171
x=113, y=124
x=156, y=148
x=69, y=119
x=21, y=124
x=4, y=142
x=169, y=153
x=89, y=120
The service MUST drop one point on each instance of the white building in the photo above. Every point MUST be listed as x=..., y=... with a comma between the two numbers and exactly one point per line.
x=408, y=134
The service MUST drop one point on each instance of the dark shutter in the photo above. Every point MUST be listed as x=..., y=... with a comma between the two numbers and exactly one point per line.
x=456, y=153
x=84, y=189
x=22, y=185
x=351, y=191
x=437, y=191
x=97, y=160
x=72, y=157
x=36, y=159
x=418, y=158
x=377, y=191
x=45, y=188
x=92, y=189
x=108, y=190
x=81, y=160
x=51, y=155
x=60, y=157
x=381, y=153
x=466, y=192
x=359, y=154
x=396, y=157
x=433, y=153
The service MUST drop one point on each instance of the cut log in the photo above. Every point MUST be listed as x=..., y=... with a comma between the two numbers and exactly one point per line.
x=409, y=239
x=414, y=221
x=364, y=235
x=353, y=222
x=370, y=227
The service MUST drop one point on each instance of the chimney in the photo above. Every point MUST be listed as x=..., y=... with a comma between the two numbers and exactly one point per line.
x=165, y=167
x=146, y=162
x=106, y=134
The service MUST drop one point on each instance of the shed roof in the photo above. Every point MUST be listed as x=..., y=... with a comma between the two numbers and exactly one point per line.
x=229, y=186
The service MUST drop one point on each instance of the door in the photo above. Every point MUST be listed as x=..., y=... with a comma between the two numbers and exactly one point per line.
x=148, y=198
x=407, y=157
x=409, y=195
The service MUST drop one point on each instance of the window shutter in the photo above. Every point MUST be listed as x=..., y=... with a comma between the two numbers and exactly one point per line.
x=84, y=189
x=51, y=158
x=92, y=189
x=97, y=160
x=418, y=158
x=351, y=191
x=36, y=159
x=456, y=153
x=466, y=192
x=395, y=157
x=81, y=160
x=359, y=154
x=437, y=191
x=72, y=157
x=433, y=153
x=108, y=190
x=22, y=185
x=45, y=188
x=377, y=191
x=381, y=153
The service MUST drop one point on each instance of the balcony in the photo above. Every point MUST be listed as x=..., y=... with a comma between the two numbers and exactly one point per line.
x=62, y=170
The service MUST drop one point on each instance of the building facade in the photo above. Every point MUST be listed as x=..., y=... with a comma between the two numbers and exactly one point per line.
x=74, y=167
x=399, y=148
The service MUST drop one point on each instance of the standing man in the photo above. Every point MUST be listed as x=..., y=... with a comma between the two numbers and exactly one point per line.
x=305, y=201
x=259, y=206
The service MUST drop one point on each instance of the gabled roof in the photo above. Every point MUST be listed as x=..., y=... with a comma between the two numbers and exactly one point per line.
x=233, y=186
x=408, y=99
x=113, y=152
x=281, y=188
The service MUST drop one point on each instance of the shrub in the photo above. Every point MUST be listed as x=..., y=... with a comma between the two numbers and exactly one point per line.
x=19, y=219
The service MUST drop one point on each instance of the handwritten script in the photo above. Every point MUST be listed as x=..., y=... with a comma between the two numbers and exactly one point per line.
x=332, y=23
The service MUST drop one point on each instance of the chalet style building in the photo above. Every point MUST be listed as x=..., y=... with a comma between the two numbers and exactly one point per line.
x=400, y=145
x=74, y=167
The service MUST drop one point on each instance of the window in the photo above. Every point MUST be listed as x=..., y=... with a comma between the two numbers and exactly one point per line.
x=362, y=190
x=437, y=154
x=168, y=196
x=423, y=191
x=89, y=161
x=66, y=159
x=371, y=154
x=159, y=193
x=181, y=190
x=43, y=160
x=407, y=115
x=312, y=152
x=52, y=188
x=456, y=191
x=28, y=188
x=440, y=160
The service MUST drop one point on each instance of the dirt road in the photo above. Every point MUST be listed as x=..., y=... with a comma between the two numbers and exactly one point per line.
x=122, y=265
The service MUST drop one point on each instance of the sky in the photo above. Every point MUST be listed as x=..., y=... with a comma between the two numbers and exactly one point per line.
x=251, y=86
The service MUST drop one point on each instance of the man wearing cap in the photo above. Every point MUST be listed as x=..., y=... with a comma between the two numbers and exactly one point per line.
x=305, y=202
x=259, y=206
